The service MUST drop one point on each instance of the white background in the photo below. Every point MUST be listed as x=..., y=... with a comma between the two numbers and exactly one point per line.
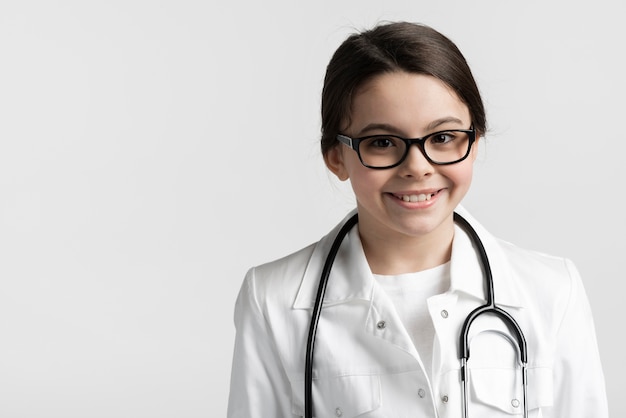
x=152, y=151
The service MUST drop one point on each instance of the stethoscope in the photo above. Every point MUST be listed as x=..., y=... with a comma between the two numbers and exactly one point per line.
x=488, y=308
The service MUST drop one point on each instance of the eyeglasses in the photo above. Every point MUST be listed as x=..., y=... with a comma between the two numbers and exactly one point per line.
x=388, y=151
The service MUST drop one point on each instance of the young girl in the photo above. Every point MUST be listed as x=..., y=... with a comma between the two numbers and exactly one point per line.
x=401, y=118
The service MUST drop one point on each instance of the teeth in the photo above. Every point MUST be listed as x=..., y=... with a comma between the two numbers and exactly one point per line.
x=416, y=197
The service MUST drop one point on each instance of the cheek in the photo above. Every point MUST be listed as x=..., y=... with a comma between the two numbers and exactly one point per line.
x=462, y=174
x=366, y=181
x=356, y=171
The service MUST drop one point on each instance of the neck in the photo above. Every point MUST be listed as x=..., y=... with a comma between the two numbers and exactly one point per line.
x=393, y=254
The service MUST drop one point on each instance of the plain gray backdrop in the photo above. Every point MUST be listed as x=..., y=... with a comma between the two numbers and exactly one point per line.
x=152, y=151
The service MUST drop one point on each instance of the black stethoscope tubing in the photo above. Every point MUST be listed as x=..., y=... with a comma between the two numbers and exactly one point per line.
x=488, y=308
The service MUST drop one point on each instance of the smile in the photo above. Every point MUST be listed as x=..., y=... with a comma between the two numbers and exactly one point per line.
x=422, y=197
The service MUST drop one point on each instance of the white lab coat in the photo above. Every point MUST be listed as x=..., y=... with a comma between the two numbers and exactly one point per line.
x=369, y=369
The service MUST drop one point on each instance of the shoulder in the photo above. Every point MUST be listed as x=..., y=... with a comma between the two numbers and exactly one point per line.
x=269, y=290
x=546, y=282
x=281, y=279
x=523, y=262
x=526, y=277
x=535, y=264
x=283, y=272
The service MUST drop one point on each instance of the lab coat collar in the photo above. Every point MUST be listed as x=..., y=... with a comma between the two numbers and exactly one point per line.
x=351, y=277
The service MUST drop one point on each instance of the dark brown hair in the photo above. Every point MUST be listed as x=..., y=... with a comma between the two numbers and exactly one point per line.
x=399, y=46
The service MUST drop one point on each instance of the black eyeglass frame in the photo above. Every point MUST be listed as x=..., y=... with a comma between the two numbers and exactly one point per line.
x=355, y=142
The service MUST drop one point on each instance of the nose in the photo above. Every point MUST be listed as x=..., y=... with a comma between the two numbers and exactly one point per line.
x=416, y=165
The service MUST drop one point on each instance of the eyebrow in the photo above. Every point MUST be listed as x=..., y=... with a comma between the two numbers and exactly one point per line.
x=395, y=131
x=438, y=122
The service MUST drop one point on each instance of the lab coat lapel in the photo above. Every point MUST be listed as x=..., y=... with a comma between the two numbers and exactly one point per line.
x=350, y=277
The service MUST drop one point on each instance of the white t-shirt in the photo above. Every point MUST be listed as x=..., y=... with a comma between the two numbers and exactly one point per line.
x=409, y=293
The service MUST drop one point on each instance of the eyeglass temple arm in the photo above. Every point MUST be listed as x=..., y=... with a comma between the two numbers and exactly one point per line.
x=345, y=140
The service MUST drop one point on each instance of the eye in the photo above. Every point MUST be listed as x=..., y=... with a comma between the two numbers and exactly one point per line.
x=381, y=142
x=441, y=138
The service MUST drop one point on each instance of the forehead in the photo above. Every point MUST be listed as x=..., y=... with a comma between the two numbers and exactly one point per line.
x=407, y=101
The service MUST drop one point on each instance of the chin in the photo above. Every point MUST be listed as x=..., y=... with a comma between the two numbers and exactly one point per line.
x=418, y=228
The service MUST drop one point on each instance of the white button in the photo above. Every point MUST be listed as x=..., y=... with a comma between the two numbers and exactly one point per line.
x=444, y=314
x=515, y=403
x=381, y=325
x=444, y=399
x=421, y=393
x=338, y=412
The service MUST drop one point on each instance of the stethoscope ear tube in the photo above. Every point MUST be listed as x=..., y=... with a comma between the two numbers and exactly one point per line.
x=315, y=317
x=488, y=308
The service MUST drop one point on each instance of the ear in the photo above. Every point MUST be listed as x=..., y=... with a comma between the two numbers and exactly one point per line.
x=474, y=150
x=335, y=163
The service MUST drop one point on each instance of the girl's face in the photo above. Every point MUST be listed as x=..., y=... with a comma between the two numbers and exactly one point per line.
x=411, y=106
